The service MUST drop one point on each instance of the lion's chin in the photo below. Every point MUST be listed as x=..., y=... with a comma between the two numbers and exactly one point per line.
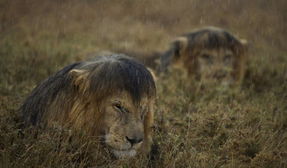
x=123, y=154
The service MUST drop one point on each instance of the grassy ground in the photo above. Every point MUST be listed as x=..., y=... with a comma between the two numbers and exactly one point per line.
x=247, y=128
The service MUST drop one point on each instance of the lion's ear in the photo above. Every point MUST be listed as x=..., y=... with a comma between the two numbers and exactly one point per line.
x=79, y=78
x=180, y=44
x=152, y=73
x=243, y=42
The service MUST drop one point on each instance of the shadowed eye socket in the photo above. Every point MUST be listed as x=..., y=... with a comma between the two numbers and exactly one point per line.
x=227, y=58
x=119, y=107
x=207, y=58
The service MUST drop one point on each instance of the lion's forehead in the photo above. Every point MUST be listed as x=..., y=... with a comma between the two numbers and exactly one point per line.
x=217, y=51
x=125, y=98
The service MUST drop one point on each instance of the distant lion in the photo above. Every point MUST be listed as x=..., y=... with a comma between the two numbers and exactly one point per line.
x=210, y=55
x=110, y=97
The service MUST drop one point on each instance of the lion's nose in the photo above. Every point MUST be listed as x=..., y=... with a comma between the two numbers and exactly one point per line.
x=134, y=140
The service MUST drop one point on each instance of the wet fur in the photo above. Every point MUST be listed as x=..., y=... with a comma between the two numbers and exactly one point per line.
x=66, y=97
x=185, y=48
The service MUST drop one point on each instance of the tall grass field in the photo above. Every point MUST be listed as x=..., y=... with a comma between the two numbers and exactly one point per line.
x=246, y=128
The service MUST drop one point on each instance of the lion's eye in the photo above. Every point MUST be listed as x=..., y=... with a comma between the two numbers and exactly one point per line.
x=207, y=58
x=227, y=58
x=120, y=108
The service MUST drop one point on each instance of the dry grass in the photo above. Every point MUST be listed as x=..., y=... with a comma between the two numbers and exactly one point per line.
x=246, y=128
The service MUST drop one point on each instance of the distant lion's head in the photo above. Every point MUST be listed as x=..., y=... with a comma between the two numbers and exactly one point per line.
x=211, y=55
x=109, y=97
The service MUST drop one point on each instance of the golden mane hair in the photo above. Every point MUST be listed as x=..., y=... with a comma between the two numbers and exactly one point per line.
x=66, y=96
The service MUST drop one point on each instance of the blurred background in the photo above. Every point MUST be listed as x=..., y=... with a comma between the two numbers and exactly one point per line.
x=50, y=29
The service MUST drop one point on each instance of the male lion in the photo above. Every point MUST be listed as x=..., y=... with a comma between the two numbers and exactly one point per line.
x=110, y=97
x=210, y=55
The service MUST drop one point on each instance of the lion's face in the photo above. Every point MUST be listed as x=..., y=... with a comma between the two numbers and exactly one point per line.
x=123, y=124
x=215, y=66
